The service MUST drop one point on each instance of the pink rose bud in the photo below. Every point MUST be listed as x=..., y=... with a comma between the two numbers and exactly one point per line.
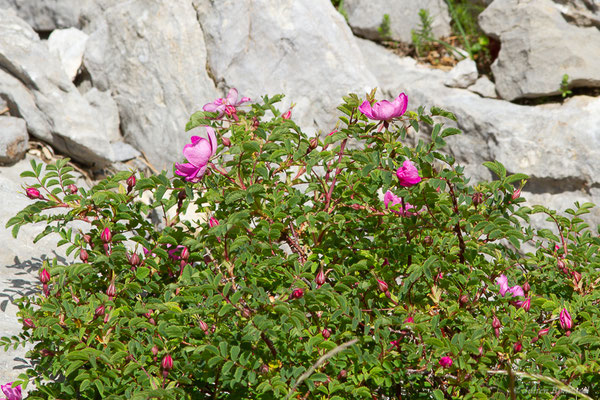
x=496, y=323
x=332, y=132
x=526, y=304
x=106, y=235
x=516, y=194
x=167, y=363
x=203, y=326
x=185, y=253
x=320, y=278
x=342, y=375
x=526, y=287
x=517, y=347
x=543, y=332
x=33, y=193
x=83, y=256
x=287, y=114
x=230, y=110
x=11, y=393
x=154, y=350
x=131, y=183
x=480, y=351
x=464, y=300
x=326, y=333
x=134, y=260
x=298, y=293
x=409, y=320
x=28, y=323
x=72, y=189
x=477, y=198
x=111, y=291
x=576, y=276
x=44, y=276
x=565, y=319
x=445, y=362
x=382, y=285
x=560, y=264
x=100, y=310
x=212, y=222
x=497, y=332
x=226, y=142
x=314, y=142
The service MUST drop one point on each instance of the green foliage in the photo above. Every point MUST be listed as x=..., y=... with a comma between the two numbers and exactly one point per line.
x=423, y=37
x=243, y=309
x=383, y=29
x=564, y=86
x=339, y=6
x=464, y=15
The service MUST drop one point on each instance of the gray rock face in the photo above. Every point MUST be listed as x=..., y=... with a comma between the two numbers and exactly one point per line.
x=37, y=89
x=47, y=15
x=13, y=140
x=538, y=46
x=151, y=55
x=484, y=87
x=301, y=48
x=365, y=17
x=463, y=75
x=68, y=45
x=557, y=145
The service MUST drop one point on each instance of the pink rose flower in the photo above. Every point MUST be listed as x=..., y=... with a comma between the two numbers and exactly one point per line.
x=445, y=362
x=384, y=110
x=408, y=174
x=390, y=197
x=10, y=392
x=565, y=319
x=227, y=105
x=198, y=153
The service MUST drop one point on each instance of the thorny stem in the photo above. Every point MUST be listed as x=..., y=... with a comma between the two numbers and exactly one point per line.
x=457, y=229
x=337, y=171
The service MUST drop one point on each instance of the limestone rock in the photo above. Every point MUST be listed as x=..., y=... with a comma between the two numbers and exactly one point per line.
x=107, y=111
x=68, y=45
x=365, y=17
x=463, y=75
x=151, y=55
x=538, y=46
x=301, y=48
x=13, y=140
x=484, y=87
x=39, y=91
x=48, y=15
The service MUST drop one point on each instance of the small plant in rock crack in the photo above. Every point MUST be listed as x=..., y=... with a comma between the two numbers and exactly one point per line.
x=564, y=87
x=384, y=29
x=291, y=267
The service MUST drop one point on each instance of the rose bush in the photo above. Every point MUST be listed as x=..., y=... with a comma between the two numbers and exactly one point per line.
x=279, y=270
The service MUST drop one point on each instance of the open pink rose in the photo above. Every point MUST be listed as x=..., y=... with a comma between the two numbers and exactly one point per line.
x=227, y=105
x=515, y=291
x=390, y=197
x=10, y=392
x=384, y=110
x=198, y=154
x=408, y=174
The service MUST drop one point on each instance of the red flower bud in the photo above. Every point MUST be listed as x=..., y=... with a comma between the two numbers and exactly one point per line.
x=72, y=189
x=382, y=285
x=287, y=114
x=445, y=362
x=320, y=278
x=560, y=264
x=167, y=363
x=526, y=304
x=526, y=287
x=212, y=222
x=477, y=198
x=28, y=323
x=33, y=193
x=497, y=332
x=106, y=235
x=314, y=142
x=130, y=183
x=464, y=299
x=154, y=350
x=185, y=253
x=44, y=276
x=134, y=260
x=565, y=319
x=100, y=310
x=203, y=326
x=409, y=320
x=326, y=333
x=517, y=347
x=226, y=142
x=496, y=323
x=516, y=194
x=111, y=291
x=342, y=375
x=298, y=293
x=83, y=256
x=543, y=332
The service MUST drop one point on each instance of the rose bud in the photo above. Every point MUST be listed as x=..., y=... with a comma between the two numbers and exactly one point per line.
x=87, y=238
x=99, y=311
x=111, y=291
x=28, y=323
x=496, y=323
x=134, y=260
x=526, y=287
x=314, y=142
x=565, y=319
x=83, y=256
x=445, y=362
x=130, y=183
x=297, y=293
x=464, y=299
x=526, y=304
x=516, y=194
x=409, y=320
x=44, y=276
x=287, y=114
x=320, y=278
x=33, y=193
x=167, y=363
x=382, y=285
x=342, y=375
x=428, y=240
x=106, y=235
x=517, y=347
x=212, y=222
x=72, y=189
x=543, y=332
x=326, y=333
x=477, y=198
x=185, y=253
x=203, y=326
x=226, y=142
x=264, y=369
x=154, y=350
